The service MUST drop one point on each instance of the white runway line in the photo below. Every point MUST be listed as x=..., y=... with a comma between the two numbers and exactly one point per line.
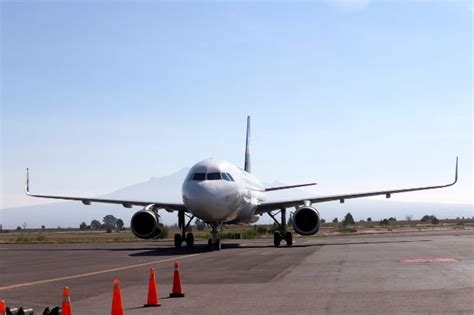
x=28, y=284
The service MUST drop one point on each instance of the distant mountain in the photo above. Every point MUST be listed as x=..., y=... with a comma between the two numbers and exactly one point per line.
x=168, y=189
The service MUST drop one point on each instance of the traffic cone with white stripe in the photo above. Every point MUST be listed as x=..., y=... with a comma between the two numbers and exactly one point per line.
x=153, y=297
x=3, y=307
x=177, y=291
x=117, y=304
x=67, y=307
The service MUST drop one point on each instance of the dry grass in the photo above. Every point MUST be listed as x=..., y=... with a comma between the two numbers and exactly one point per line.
x=51, y=236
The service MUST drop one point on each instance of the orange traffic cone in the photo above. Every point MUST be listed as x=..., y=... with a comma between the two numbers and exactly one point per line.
x=117, y=304
x=67, y=307
x=177, y=291
x=153, y=297
x=3, y=307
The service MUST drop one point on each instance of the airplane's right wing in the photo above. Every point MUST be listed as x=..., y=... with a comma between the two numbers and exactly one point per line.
x=269, y=206
x=125, y=203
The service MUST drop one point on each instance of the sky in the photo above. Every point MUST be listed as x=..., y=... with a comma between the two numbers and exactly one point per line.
x=355, y=95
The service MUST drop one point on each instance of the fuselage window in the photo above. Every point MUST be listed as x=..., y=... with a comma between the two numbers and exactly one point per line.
x=230, y=176
x=199, y=176
x=213, y=176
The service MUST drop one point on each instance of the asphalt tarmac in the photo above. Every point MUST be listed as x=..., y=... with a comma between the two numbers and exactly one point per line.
x=389, y=274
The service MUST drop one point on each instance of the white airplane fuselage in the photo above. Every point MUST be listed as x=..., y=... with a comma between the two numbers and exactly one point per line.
x=217, y=191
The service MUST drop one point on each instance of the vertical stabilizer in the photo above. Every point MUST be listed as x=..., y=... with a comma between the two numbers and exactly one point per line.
x=247, y=147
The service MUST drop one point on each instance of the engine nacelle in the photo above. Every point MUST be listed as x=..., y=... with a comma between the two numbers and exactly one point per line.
x=306, y=221
x=145, y=224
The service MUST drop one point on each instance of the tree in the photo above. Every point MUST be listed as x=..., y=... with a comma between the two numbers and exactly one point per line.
x=18, y=228
x=43, y=227
x=323, y=221
x=348, y=219
x=120, y=224
x=109, y=221
x=95, y=224
x=24, y=225
x=83, y=226
x=393, y=219
x=369, y=219
x=409, y=217
x=384, y=222
x=200, y=225
x=430, y=218
x=335, y=220
x=426, y=218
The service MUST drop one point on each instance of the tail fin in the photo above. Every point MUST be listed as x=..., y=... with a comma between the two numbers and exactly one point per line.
x=247, y=147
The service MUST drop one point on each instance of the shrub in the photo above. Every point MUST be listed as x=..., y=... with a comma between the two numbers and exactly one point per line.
x=425, y=218
x=348, y=219
x=384, y=222
x=164, y=231
x=260, y=229
x=346, y=229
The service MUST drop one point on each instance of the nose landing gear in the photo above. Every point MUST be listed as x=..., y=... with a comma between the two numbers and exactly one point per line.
x=214, y=242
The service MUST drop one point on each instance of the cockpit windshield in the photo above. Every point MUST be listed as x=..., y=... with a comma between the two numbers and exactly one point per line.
x=199, y=176
x=213, y=176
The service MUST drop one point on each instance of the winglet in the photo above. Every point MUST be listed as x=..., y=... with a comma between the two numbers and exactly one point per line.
x=247, y=147
x=27, y=184
x=456, y=172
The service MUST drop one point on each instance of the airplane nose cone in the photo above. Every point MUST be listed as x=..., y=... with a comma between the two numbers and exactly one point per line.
x=208, y=200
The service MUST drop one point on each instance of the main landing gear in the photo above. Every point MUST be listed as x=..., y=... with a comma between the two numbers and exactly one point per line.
x=183, y=226
x=214, y=243
x=281, y=233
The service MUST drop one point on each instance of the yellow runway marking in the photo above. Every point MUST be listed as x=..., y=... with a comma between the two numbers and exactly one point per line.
x=28, y=284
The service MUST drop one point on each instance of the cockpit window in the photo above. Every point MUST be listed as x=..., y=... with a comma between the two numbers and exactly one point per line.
x=213, y=176
x=225, y=177
x=230, y=176
x=199, y=176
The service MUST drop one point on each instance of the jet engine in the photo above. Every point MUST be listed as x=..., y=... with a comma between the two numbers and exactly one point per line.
x=145, y=224
x=306, y=221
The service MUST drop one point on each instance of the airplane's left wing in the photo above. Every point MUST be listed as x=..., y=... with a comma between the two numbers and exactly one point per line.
x=269, y=206
x=125, y=203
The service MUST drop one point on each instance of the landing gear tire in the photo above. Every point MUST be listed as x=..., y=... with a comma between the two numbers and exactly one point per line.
x=214, y=246
x=189, y=240
x=276, y=238
x=178, y=240
x=289, y=238
x=209, y=244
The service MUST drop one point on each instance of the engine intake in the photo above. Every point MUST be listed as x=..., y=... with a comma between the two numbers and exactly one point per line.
x=306, y=221
x=145, y=224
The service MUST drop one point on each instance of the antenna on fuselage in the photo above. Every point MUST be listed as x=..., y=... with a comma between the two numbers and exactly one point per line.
x=247, y=147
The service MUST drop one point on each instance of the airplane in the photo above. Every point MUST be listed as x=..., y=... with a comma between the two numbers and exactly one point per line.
x=218, y=192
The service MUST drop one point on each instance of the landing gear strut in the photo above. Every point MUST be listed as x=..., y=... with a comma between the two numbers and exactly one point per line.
x=214, y=243
x=281, y=232
x=183, y=226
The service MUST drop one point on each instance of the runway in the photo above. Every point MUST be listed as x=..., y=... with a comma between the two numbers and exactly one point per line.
x=399, y=273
